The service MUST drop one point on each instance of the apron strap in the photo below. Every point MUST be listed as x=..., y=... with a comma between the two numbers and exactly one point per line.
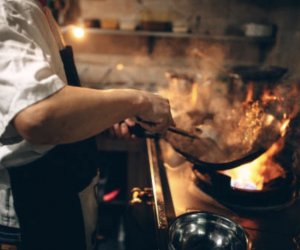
x=67, y=58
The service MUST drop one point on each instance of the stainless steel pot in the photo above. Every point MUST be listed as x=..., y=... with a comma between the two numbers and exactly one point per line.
x=206, y=231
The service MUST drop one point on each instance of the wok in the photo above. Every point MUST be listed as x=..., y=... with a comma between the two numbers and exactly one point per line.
x=260, y=73
x=176, y=144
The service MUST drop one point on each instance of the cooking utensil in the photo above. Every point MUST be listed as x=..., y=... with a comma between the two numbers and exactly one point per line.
x=211, y=166
x=201, y=230
x=259, y=73
x=199, y=157
x=138, y=130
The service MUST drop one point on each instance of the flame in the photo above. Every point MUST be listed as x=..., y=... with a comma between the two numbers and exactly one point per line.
x=284, y=126
x=268, y=97
x=254, y=175
x=250, y=92
x=194, y=94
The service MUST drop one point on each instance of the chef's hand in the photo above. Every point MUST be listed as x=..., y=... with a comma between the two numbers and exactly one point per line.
x=121, y=129
x=157, y=116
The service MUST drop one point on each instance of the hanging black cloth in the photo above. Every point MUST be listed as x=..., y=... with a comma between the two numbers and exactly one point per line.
x=45, y=191
x=67, y=57
x=85, y=150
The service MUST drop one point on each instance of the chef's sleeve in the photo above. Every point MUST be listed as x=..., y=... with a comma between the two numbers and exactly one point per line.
x=26, y=73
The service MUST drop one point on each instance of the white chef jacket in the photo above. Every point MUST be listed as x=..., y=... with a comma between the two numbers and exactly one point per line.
x=30, y=70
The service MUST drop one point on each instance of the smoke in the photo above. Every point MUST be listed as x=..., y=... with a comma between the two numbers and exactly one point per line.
x=231, y=121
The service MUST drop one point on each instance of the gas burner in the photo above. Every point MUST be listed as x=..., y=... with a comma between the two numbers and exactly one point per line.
x=278, y=194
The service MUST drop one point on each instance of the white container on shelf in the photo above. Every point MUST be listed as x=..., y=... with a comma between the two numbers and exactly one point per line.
x=128, y=24
x=180, y=26
x=258, y=30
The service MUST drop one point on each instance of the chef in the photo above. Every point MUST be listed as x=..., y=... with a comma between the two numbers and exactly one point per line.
x=47, y=124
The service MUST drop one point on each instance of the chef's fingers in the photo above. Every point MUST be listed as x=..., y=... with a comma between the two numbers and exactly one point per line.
x=124, y=131
x=121, y=130
x=130, y=122
x=117, y=130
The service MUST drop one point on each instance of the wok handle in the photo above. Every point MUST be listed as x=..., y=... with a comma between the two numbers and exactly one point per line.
x=140, y=132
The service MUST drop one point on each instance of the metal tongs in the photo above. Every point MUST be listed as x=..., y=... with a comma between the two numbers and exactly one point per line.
x=139, y=131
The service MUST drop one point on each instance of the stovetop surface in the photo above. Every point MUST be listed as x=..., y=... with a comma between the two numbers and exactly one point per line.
x=277, y=228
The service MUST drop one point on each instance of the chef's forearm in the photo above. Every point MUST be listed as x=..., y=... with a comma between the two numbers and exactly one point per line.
x=74, y=113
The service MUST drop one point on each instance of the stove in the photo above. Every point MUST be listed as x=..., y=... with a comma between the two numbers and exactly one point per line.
x=176, y=191
x=279, y=193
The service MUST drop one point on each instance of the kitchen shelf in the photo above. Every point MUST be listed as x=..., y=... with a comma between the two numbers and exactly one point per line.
x=166, y=34
x=264, y=44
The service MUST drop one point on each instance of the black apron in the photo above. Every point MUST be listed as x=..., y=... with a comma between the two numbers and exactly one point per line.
x=46, y=191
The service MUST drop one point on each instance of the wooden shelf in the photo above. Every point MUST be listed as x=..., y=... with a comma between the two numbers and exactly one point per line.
x=156, y=34
x=264, y=44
